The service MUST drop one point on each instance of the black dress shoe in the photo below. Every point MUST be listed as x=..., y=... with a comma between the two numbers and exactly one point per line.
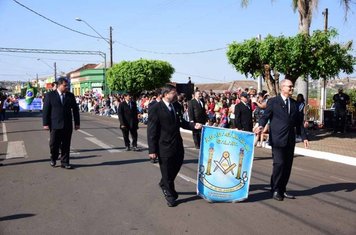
x=153, y=160
x=277, y=196
x=135, y=149
x=68, y=167
x=171, y=202
x=53, y=163
x=127, y=149
x=289, y=196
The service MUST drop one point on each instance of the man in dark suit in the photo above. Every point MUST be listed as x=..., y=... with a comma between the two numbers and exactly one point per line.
x=128, y=118
x=197, y=114
x=165, y=141
x=243, y=113
x=282, y=113
x=58, y=107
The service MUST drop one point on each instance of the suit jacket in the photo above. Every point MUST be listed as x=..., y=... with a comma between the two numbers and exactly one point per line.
x=128, y=116
x=163, y=134
x=196, y=112
x=57, y=115
x=282, y=124
x=243, y=117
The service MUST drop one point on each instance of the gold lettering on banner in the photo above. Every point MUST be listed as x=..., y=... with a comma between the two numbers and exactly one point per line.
x=210, y=159
x=220, y=189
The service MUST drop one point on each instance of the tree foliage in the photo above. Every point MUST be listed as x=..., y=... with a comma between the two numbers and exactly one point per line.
x=302, y=55
x=137, y=76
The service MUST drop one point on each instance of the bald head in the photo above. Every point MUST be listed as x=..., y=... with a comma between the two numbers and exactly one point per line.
x=287, y=88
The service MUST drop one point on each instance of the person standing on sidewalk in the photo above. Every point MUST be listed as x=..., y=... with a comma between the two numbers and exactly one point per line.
x=57, y=118
x=243, y=114
x=128, y=118
x=197, y=114
x=282, y=113
x=165, y=141
x=340, y=101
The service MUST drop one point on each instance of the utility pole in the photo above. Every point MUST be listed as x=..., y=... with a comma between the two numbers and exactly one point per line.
x=259, y=82
x=326, y=15
x=322, y=80
x=55, y=71
x=110, y=42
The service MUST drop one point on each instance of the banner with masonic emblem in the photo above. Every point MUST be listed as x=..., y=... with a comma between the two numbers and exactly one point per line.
x=225, y=164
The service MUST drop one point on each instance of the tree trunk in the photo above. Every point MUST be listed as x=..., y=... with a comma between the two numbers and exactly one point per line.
x=305, y=8
x=271, y=86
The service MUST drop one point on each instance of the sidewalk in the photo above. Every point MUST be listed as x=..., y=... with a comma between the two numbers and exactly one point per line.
x=324, y=144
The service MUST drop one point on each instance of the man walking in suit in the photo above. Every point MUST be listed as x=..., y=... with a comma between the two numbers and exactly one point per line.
x=243, y=113
x=128, y=118
x=282, y=113
x=165, y=142
x=58, y=107
x=197, y=114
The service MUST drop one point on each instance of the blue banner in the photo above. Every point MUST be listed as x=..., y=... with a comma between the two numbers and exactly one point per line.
x=36, y=104
x=225, y=164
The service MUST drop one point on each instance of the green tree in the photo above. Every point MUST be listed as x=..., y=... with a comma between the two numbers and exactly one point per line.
x=137, y=76
x=305, y=9
x=301, y=55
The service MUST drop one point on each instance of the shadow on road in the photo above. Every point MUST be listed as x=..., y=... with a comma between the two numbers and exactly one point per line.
x=16, y=216
x=44, y=160
x=112, y=163
x=188, y=199
x=327, y=188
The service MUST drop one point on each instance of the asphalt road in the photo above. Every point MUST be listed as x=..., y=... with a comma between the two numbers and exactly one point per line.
x=111, y=191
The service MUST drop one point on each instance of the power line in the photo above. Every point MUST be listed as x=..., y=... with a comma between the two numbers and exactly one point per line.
x=54, y=22
x=30, y=57
x=123, y=44
x=198, y=76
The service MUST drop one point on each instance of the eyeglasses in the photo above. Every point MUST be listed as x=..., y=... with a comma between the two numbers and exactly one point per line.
x=290, y=86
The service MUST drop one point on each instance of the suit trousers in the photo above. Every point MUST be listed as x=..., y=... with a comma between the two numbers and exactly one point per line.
x=282, y=167
x=196, y=137
x=125, y=133
x=60, y=139
x=169, y=170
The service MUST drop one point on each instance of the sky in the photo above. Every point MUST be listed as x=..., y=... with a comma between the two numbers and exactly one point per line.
x=176, y=31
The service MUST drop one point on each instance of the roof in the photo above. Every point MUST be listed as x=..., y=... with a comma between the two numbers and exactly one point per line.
x=86, y=66
x=229, y=86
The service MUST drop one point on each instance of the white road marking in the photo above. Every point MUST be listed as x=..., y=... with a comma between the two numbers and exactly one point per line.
x=138, y=142
x=186, y=178
x=4, y=133
x=16, y=149
x=339, y=178
x=103, y=145
x=85, y=133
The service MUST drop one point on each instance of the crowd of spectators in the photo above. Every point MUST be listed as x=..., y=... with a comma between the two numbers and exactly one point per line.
x=219, y=107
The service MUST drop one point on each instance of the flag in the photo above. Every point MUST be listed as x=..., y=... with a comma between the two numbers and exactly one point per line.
x=225, y=164
x=30, y=94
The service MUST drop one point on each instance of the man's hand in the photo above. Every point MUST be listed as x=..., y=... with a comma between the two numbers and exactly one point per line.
x=152, y=155
x=46, y=127
x=258, y=130
x=198, y=126
x=306, y=144
x=76, y=127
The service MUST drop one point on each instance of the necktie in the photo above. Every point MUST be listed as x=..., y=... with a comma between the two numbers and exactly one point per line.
x=172, y=111
x=287, y=104
x=62, y=98
x=130, y=105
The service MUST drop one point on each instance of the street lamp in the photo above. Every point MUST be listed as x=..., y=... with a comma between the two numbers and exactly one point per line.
x=52, y=67
x=109, y=41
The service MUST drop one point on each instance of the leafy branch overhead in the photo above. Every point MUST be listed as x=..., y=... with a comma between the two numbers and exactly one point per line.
x=137, y=76
x=316, y=56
